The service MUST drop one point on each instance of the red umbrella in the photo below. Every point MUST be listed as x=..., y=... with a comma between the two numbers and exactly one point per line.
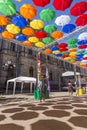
x=41, y=34
x=63, y=49
x=79, y=8
x=81, y=20
x=82, y=46
x=62, y=45
x=62, y=4
x=41, y=2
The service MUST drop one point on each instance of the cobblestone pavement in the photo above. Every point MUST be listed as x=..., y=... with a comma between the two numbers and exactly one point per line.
x=59, y=112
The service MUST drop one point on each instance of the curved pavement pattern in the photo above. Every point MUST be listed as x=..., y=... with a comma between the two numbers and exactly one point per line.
x=59, y=112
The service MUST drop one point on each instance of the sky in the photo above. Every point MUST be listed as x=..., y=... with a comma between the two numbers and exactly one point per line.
x=58, y=13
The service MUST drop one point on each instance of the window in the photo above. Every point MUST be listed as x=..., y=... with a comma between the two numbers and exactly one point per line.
x=30, y=52
x=50, y=76
x=12, y=47
x=31, y=71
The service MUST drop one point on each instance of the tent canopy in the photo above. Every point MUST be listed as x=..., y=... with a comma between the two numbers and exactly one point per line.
x=69, y=73
x=22, y=80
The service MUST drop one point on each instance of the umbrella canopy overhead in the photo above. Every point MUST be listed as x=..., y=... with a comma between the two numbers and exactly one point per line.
x=61, y=4
x=41, y=3
x=28, y=11
x=81, y=20
x=33, y=39
x=79, y=8
x=39, y=44
x=21, y=37
x=41, y=34
x=7, y=7
x=37, y=24
x=27, y=43
x=57, y=34
x=13, y=29
x=7, y=34
x=50, y=28
x=28, y=31
x=62, y=20
x=19, y=21
x=83, y=36
x=47, y=14
x=68, y=28
x=47, y=40
x=3, y=20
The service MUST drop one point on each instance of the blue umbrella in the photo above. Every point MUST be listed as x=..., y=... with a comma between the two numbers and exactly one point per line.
x=58, y=55
x=21, y=37
x=1, y=29
x=82, y=42
x=19, y=21
x=68, y=28
x=54, y=48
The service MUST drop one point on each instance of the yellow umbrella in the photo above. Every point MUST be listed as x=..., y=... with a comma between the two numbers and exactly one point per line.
x=57, y=34
x=37, y=24
x=28, y=11
x=39, y=44
x=3, y=20
x=28, y=31
x=67, y=58
x=7, y=34
x=33, y=39
x=56, y=52
x=13, y=29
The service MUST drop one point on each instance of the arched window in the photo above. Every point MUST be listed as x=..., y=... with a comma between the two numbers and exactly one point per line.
x=50, y=76
x=31, y=71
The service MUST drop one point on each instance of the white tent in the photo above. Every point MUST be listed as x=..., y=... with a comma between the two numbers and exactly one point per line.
x=21, y=80
x=69, y=73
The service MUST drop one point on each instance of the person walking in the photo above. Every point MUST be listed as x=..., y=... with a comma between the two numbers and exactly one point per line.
x=70, y=88
x=43, y=88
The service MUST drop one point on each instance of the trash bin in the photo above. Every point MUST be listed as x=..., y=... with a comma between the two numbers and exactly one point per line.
x=81, y=91
x=36, y=94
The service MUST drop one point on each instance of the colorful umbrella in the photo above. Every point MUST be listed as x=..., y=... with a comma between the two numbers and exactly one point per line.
x=72, y=50
x=27, y=43
x=3, y=20
x=65, y=55
x=72, y=46
x=63, y=49
x=68, y=28
x=62, y=20
x=28, y=11
x=65, y=52
x=7, y=7
x=50, y=28
x=28, y=31
x=82, y=46
x=57, y=34
x=54, y=48
x=47, y=40
x=41, y=3
x=58, y=55
x=79, y=8
x=33, y=39
x=48, y=51
x=72, y=41
x=13, y=29
x=62, y=45
x=41, y=34
x=21, y=37
x=47, y=14
x=1, y=29
x=7, y=34
x=56, y=52
x=37, y=24
x=19, y=21
x=83, y=36
x=81, y=20
x=39, y=44
x=61, y=4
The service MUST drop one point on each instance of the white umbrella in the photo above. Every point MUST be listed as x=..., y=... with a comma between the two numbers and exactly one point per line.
x=62, y=20
x=83, y=36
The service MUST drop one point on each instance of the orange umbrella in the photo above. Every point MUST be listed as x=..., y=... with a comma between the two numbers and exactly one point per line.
x=7, y=34
x=3, y=20
x=27, y=43
x=57, y=34
x=48, y=51
x=72, y=49
x=28, y=31
x=28, y=11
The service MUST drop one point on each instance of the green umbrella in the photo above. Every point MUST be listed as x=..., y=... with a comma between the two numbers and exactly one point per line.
x=72, y=41
x=65, y=52
x=7, y=7
x=72, y=46
x=81, y=51
x=50, y=28
x=47, y=14
x=47, y=40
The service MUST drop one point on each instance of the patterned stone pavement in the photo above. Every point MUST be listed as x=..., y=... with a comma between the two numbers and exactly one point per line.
x=59, y=112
